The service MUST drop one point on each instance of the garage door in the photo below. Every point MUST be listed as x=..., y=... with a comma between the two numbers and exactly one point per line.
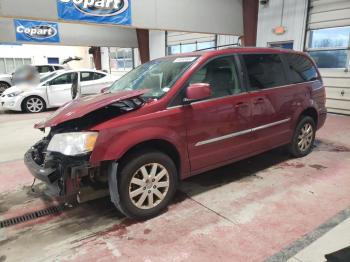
x=183, y=42
x=328, y=42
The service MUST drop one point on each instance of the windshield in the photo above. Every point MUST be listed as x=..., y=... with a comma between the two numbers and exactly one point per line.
x=158, y=76
x=47, y=76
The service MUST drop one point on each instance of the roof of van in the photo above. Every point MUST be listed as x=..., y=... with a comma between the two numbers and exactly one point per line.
x=240, y=50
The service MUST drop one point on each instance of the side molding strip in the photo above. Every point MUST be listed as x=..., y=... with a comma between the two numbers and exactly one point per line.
x=241, y=133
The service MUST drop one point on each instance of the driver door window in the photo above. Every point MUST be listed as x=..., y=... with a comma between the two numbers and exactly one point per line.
x=220, y=73
x=222, y=76
x=63, y=79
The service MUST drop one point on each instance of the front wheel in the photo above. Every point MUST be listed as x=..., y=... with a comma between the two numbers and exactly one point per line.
x=34, y=104
x=147, y=183
x=303, y=138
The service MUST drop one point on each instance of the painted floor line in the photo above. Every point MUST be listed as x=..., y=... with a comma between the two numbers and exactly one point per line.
x=293, y=249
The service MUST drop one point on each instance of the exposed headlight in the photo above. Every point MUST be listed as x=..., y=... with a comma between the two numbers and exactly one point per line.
x=72, y=144
x=14, y=94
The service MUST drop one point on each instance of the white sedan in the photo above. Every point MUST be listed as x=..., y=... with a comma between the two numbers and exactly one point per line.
x=54, y=90
x=6, y=79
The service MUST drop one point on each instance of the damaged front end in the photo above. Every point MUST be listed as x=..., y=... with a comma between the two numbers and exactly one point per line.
x=61, y=159
x=63, y=175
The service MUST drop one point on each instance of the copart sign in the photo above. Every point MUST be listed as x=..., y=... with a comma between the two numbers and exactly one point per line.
x=96, y=11
x=36, y=31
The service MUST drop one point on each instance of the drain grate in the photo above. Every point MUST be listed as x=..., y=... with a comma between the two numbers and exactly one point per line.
x=31, y=216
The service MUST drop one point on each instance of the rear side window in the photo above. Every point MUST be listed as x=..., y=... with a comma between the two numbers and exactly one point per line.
x=299, y=69
x=265, y=70
x=58, y=67
x=86, y=76
x=44, y=69
x=98, y=76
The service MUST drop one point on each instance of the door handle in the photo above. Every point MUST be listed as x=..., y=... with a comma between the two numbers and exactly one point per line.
x=259, y=101
x=241, y=104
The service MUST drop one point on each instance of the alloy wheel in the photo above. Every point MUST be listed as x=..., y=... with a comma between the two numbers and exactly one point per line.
x=149, y=185
x=35, y=105
x=305, y=137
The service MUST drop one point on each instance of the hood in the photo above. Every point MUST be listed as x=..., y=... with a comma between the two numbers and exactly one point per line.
x=8, y=76
x=19, y=88
x=85, y=105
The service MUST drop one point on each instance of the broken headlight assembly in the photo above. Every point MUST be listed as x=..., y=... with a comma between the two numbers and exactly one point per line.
x=73, y=144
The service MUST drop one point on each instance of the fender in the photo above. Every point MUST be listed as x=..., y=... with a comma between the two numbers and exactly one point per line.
x=112, y=145
x=36, y=92
x=6, y=79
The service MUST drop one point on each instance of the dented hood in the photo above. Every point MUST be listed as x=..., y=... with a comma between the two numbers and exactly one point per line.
x=85, y=105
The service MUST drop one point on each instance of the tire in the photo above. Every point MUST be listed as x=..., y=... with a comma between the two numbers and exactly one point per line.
x=34, y=104
x=303, y=138
x=3, y=87
x=147, y=197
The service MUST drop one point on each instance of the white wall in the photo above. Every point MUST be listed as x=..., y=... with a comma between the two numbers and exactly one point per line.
x=294, y=19
x=40, y=53
x=156, y=44
x=206, y=16
x=105, y=59
x=224, y=40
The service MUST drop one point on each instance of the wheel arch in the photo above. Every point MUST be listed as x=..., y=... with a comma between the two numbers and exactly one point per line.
x=30, y=96
x=161, y=145
x=312, y=112
x=6, y=82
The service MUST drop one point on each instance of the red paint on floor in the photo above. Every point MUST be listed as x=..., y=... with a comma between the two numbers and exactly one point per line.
x=245, y=212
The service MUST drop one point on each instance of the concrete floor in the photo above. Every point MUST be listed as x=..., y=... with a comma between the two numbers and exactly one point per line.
x=269, y=207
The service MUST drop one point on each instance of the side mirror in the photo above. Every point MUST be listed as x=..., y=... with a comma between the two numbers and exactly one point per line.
x=196, y=92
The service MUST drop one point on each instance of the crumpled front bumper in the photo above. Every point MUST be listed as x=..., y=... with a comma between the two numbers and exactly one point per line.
x=47, y=175
x=62, y=174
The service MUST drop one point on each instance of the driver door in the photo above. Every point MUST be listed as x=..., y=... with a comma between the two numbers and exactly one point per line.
x=59, y=90
x=218, y=128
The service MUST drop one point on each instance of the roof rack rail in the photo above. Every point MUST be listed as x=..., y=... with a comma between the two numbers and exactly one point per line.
x=220, y=46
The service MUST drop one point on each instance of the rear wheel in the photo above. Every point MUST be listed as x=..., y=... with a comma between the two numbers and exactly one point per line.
x=147, y=183
x=34, y=104
x=3, y=87
x=304, y=137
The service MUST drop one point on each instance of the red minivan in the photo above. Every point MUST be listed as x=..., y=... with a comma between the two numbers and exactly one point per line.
x=176, y=117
